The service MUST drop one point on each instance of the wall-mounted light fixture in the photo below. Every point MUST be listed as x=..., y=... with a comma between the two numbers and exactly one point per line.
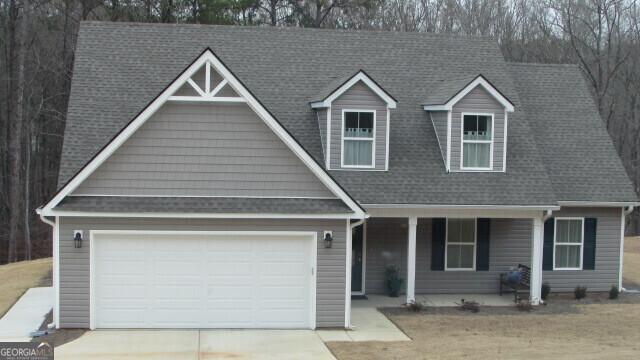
x=328, y=239
x=77, y=239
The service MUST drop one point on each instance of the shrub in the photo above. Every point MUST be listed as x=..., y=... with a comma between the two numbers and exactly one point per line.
x=393, y=280
x=415, y=306
x=580, y=292
x=546, y=289
x=524, y=305
x=472, y=306
x=614, y=292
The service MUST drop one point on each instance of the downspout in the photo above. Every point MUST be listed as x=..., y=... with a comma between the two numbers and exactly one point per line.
x=625, y=211
x=52, y=325
x=547, y=215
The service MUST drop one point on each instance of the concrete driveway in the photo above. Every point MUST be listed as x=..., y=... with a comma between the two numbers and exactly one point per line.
x=195, y=344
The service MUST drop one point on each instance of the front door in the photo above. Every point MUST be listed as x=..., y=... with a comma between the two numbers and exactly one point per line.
x=357, y=243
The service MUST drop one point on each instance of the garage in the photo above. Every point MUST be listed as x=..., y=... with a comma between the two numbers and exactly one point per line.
x=166, y=279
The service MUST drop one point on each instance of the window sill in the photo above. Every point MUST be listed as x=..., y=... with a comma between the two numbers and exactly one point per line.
x=454, y=270
x=567, y=269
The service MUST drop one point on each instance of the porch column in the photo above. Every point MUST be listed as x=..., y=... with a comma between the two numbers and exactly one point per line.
x=411, y=260
x=537, y=243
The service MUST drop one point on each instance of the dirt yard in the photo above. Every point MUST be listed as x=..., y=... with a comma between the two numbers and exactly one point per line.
x=16, y=278
x=631, y=276
x=599, y=331
x=565, y=329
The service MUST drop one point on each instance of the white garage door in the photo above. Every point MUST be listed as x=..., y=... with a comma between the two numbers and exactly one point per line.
x=186, y=280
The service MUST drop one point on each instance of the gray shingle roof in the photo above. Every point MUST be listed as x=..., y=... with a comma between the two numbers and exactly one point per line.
x=577, y=151
x=120, y=67
x=203, y=205
x=445, y=89
x=336, y=82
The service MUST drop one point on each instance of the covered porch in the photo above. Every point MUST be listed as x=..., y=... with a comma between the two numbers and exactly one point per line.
x=445, y=255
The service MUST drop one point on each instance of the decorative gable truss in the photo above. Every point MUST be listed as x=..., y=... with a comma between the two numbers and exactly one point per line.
x=206, y=85
x=207, y=79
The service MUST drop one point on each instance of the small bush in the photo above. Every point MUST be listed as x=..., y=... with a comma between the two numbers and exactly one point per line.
x=546, y=289
x=524, y=305
x=393, y=280
x=614, y=292
x=415, y=306
x=580, y=292
x=472, y=306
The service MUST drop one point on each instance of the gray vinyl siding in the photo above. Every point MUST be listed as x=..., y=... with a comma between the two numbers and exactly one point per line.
x=321, y=115
x=387, y=244
x=440, y=119
x=204, y=150
x=359, y=97
x=607, y=267
x=510, y=245
x=74, y=263
x=477, y=100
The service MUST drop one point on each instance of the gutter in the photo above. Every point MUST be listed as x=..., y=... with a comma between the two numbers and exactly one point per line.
x=51, y=325
x=625, y=211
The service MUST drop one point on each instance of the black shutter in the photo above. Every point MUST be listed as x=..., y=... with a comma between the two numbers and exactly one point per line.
x=438, y=233
x=589, y=251
x=547, y=252
x=482, y=249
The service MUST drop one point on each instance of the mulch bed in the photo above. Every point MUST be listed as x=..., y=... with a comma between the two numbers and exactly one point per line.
x=555, y=304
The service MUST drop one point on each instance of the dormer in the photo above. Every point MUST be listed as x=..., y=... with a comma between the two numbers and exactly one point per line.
x=469, y=116
x=353, y=115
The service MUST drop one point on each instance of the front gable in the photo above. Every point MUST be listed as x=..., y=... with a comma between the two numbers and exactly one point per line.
x=204, y=137
x=204, y=149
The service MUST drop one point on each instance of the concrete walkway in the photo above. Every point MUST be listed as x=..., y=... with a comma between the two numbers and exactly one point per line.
x=195, y=344
x=368, y=325
x=26, y=315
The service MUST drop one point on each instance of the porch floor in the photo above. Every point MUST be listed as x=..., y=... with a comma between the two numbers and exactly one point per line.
x=377, y=301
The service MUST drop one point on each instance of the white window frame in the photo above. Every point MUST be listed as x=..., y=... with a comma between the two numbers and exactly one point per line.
x=372, y=139
x=475, y=245
x=555, y=233
x=490, y=142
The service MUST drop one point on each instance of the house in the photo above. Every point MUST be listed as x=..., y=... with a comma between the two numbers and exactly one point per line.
x=252, y=177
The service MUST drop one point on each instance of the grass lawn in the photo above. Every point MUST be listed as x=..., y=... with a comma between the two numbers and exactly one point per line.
x=584, y=331
x=16, y=278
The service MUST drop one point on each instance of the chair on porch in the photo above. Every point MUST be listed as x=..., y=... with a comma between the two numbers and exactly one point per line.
x=522, y=285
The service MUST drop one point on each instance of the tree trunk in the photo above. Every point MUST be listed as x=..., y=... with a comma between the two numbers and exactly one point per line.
x=17, y=33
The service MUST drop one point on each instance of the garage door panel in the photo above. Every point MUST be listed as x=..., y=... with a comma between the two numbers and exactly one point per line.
x=202, y=281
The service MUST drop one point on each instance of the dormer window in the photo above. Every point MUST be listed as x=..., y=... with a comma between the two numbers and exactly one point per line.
x=477, y=141
x=470, y=116
x=354, y=119
x=358, y=140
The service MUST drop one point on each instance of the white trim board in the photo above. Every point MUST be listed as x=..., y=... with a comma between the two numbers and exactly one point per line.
x=207, y=57
x=478, y=81
x=312, y=235
x=185, y=215
x=359, y=76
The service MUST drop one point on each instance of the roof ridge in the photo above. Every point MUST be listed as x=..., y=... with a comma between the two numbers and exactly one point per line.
x=523, y=64
x=292, y=28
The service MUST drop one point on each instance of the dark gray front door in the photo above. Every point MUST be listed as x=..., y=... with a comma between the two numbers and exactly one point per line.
x=356, y=260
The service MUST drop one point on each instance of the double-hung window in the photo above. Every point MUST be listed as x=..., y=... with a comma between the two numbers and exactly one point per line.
x=358, y=138
x=567, y=244
x=461, y=244
x=477, y=141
